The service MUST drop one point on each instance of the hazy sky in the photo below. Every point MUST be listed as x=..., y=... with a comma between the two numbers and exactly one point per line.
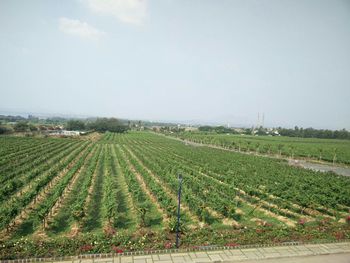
x=203, y=60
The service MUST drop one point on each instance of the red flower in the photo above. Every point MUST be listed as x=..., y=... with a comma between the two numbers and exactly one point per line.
x=348, y=219
x=168, y=245
x=86, y=248
x=339, y=235
x=117, y=250
x=231, y=245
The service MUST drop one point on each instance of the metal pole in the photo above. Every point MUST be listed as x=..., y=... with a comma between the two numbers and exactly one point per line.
x=178, y=211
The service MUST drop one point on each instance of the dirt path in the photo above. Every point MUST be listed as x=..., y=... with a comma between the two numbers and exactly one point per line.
x=320, y=167
x=280, y=218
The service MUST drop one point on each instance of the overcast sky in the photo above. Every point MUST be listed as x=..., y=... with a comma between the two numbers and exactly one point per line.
x=203, y=60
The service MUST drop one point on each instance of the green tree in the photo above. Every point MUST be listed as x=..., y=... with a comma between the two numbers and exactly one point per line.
x=75, y=125
x=32, y=127
x=108, y=124
x=4, y=130
x=21, y=126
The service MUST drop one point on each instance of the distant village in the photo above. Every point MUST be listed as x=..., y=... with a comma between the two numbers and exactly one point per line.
x=58, y=126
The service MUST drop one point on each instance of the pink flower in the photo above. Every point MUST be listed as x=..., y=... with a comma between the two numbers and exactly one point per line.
x=302, y=221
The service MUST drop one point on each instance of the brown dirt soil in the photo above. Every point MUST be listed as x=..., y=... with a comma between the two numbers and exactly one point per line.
x=166, y=189
x=26, y=211
x=145, y=189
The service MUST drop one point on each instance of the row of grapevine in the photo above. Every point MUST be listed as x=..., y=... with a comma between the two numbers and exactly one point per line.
x=233, y=169
x=16, y=205
x=17, y=158
x=278, y=206
x=228, y=207
x=13, y=181
x=165, y=199
x=148, y=213
x=54, y=194
x=321, y=149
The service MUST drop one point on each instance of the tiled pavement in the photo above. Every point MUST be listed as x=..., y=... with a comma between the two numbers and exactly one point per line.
x=230, y=255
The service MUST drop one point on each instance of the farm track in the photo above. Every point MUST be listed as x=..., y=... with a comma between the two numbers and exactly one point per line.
x=254, y=153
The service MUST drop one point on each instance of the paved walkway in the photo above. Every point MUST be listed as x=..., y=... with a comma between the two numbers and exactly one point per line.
x=329, y=258
x=295, y=253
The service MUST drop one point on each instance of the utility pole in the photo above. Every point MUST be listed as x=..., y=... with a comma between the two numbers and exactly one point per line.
x=178, y=211
x=263, y=120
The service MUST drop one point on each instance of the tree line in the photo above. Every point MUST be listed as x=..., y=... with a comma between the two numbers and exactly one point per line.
x=99, y=125
x=296, y=132
x=314, y=133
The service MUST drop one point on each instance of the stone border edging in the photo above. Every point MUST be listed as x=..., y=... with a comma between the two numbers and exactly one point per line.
x=169, y=251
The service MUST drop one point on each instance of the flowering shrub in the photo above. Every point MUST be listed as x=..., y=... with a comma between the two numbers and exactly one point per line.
x=339, y=235
x=109, y=231
x=117, y=250
x=86, y=248
x=168, y=245
x=231, y=245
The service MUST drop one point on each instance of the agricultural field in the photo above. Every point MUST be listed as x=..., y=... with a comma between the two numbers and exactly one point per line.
x=118, y=192
x=329, y=150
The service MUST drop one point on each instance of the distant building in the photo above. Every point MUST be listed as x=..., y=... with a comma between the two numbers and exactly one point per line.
x=64, y=133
